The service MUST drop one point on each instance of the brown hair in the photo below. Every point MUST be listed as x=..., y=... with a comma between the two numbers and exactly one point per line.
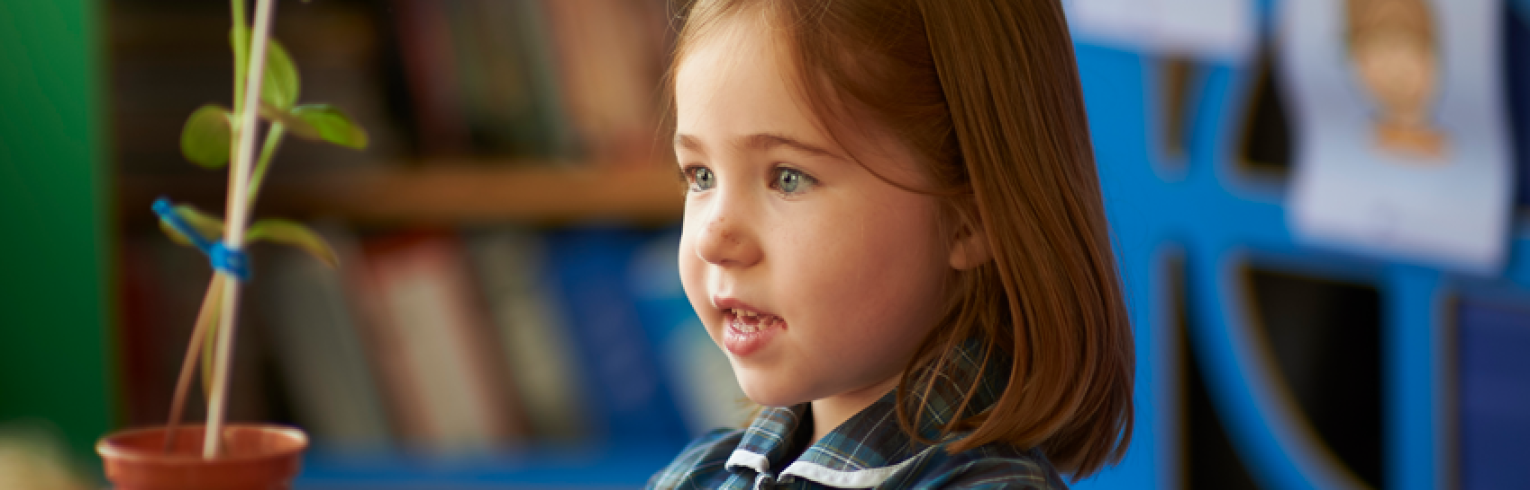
x=1390, y=20
x=986, y=94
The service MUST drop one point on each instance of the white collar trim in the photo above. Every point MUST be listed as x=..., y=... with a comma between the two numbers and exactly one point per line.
x=865, y=478
x=747, y=459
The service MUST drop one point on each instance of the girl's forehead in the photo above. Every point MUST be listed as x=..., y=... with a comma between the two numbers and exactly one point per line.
x=732, y=47
x=737, y=81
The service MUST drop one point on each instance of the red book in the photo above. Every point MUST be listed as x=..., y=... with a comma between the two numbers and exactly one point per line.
x=433, y=345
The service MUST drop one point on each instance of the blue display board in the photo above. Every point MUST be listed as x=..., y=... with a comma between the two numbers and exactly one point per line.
x=1220, y=216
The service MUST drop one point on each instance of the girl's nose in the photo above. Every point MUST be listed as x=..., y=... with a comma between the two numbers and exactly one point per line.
x=726, y=239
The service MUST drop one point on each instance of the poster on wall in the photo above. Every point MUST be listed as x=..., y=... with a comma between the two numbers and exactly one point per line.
x=1222, y=30
x=1402, y=145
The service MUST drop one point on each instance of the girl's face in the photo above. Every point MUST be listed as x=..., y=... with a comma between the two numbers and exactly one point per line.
x=815, y=276
x=1400, y=72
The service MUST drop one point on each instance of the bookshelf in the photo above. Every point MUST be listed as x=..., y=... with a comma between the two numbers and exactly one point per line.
x=490, y=129
x=444, y=193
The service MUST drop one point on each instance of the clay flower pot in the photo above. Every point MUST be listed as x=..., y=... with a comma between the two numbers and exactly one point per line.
x=255, y=457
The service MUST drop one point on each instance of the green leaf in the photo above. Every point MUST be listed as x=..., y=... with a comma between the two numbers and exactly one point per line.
x=324, y=122
x=208, y=226
x=174, y=234
x=206, y=137
x=280, y=84
x=289, y=232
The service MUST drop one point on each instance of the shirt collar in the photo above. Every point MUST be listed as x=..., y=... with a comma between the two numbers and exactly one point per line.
x=870, y=447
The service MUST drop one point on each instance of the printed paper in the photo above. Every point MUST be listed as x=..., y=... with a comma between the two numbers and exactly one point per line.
x=1401, y=136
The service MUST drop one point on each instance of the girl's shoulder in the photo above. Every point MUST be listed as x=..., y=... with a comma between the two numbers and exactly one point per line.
x=994, y=465
x=703, y=457
x=702, y=464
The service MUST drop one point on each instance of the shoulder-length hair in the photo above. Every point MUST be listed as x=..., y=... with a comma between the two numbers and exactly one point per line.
x=986, y=95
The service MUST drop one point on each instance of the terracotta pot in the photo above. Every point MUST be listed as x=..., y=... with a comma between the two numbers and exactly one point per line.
x=255, y=457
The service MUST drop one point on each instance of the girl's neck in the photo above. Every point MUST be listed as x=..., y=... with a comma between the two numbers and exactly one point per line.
x=831, y=412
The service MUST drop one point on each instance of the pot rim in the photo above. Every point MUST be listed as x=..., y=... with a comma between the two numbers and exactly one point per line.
x=109, y=448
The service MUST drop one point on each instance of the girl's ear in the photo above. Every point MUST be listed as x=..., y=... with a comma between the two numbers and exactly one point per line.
x=970, y=249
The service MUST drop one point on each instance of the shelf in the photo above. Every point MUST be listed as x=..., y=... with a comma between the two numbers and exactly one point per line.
x=450, y=194
x=620, y=466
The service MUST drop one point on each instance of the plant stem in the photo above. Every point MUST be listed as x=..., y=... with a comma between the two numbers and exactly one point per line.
x=209, y=349
x=235, y=221
x=241, y=52
x=208, y=312
x=205, y=317
x=273, y=140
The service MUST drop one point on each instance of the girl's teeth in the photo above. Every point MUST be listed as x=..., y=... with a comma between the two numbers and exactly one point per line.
x=764, y=321
x=744, y=313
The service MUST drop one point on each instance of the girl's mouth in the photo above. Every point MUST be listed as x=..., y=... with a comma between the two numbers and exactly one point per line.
x=746, y=321
x=748, y=331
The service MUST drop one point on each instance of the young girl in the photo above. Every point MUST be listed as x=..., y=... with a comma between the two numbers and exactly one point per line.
x=894, y=229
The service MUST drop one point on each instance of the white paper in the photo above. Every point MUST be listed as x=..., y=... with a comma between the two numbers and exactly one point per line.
x=1438, y=189
x=1224, y=30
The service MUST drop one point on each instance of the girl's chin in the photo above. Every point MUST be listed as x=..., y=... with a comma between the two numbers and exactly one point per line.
x=762, y=389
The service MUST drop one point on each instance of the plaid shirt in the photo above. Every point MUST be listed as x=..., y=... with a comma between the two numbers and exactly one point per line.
x=867, y=451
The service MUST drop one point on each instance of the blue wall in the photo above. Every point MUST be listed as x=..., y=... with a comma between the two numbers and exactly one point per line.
x=1216, y=215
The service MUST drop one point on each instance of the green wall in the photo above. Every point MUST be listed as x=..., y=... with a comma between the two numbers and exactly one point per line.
x=54, y=240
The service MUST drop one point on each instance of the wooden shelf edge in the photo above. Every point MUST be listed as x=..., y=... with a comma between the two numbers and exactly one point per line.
x=436, y=194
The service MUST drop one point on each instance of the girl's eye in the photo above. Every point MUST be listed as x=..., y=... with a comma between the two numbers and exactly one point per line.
x=700, y=178
x=791, y=181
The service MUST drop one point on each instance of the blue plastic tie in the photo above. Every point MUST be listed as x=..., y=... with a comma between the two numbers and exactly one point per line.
x=234, y=262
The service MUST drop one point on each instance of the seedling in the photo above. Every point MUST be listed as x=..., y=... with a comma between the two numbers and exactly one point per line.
x=266, y=94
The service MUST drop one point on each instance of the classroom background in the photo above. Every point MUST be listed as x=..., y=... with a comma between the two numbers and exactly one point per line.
x=508, y=314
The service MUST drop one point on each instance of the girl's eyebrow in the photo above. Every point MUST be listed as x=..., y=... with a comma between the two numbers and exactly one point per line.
x=757, y=142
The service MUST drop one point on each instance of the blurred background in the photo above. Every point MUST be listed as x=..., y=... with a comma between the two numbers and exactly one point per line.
x=507, y=313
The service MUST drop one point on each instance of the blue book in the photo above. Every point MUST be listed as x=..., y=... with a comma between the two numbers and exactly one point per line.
x=630, y=401
x=1494, y=394
x=697, y=369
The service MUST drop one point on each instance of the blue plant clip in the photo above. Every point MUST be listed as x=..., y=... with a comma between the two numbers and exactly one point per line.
x=234, y=262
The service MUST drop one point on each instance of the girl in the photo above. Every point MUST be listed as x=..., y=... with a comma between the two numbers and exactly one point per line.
x=894, y=229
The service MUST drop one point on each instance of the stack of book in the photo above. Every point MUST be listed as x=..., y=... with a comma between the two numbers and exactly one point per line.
x=565, y=80
x=451, y=341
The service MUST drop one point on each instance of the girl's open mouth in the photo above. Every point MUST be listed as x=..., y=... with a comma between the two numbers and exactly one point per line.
x=748, y=331
x=749, y=322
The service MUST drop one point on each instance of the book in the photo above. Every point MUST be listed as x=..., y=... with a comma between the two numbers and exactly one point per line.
x=164, y=284
x=429, y=65
x=699, y=372
x=629, y=398
x=427, y=330
x=506, y=78
x=147, y=331
x=1493, y=384
x=481, y=78
x=609, y=57
x=319, y=356
x=169, y=59
x=509, y=264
